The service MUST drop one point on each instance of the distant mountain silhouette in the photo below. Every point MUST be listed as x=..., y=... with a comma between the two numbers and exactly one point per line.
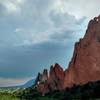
x=29, y=83
x=26, y=85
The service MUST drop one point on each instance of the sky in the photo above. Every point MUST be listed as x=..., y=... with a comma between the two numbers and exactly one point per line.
x=35, y=34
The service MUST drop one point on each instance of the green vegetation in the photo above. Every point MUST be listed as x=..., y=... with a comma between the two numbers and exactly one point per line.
x=9, y=94
x=89, y=91
x=6, y=96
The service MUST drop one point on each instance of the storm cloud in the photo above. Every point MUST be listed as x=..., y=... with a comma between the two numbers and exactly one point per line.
x=35, y=34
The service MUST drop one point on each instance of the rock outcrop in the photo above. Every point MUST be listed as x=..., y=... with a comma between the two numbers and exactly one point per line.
x=56, y=78
x=54, y=81
x=42, y=78
x=84, y=66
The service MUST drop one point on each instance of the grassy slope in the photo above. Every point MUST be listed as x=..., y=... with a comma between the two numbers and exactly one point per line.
x=8, y=94
x=8, y=97
x=89, y=91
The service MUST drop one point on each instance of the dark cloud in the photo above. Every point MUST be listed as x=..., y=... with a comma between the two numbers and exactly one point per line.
x=35, y=34
x=1, y=10
x=27, y=61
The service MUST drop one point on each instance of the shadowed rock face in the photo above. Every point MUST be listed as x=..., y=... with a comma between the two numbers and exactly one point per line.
x=84, y=66
x=54, y=81
x=42, y=78
x=56, y=77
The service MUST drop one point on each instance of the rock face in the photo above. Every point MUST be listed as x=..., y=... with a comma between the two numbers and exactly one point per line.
x=84, y=66
x=56, y=78
x=42, y=78
x=54, y=81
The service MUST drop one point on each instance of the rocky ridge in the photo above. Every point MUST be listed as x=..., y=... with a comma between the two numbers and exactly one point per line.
x=84, y=65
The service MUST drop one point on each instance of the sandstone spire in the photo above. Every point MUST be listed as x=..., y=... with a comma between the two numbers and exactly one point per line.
x=84, y=66
x=85, y=63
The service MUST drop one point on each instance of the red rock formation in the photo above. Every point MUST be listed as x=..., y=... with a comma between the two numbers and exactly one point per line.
x=85, y=64
x=56, y=77
x=55, y=80
x=41, y=78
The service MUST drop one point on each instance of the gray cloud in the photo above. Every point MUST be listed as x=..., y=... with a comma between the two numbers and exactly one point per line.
x=79, y=8
x=27, y=61
x=1, y=10
x=35, y=34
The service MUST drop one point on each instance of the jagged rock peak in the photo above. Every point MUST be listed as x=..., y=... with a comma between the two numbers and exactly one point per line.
x=54, y=81
x=93, y=28
x=56, y=68
x=45, y=75
x=42, y=77
x=85, y=63
x=38, y=78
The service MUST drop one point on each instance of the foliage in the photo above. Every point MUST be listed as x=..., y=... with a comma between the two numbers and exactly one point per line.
x=7, y=96
x=89, y=91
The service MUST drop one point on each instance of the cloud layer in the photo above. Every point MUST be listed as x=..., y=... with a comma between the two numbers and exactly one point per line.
x=35, y=34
